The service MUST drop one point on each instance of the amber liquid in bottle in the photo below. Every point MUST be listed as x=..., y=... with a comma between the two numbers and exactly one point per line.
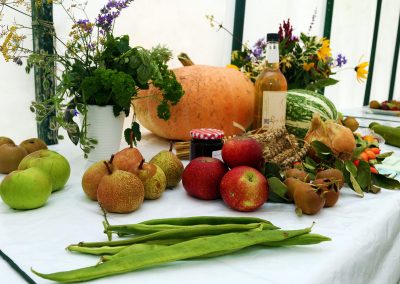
x=271, y=82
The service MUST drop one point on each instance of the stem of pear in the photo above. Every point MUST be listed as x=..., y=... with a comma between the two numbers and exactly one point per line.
x=111, y=159
x=141, y=164
x=108, y=167
x=170, y=146
x=131, y=139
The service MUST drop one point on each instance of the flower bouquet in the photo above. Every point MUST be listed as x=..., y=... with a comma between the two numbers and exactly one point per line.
x=94, y=67
x=306, y=61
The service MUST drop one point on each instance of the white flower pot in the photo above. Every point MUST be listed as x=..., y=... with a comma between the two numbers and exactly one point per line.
x=106, y=129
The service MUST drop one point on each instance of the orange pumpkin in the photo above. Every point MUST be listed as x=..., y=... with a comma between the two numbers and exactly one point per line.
x=215, y=97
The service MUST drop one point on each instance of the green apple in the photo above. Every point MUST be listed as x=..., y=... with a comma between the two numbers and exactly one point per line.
x=52, y=163
x=26, y=189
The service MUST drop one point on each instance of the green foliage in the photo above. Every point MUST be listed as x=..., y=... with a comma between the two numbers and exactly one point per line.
x=359, y=178
x=133, y=134
x=95, y=68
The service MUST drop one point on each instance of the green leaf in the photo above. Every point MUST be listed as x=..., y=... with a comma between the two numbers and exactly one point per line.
x=383, y=155
x=272, y=170
x=322, y=150
x=277, y=191
x=350, y=176
x=136, y=131
x=163, y=110
x=321, y=83
x=351, y=168
x=364, y=175
x=385, y=182
x=356, y=186
x=133, y=133
x=144, y=73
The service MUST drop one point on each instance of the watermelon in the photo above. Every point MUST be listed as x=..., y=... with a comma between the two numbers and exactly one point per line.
x=300, y=106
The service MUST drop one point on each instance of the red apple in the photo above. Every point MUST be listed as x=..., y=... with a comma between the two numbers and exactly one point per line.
x=244, y=189
x=202, y=176
x=242, y=151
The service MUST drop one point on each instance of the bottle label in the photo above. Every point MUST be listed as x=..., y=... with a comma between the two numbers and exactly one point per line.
x=274, y=109
x=272, y=53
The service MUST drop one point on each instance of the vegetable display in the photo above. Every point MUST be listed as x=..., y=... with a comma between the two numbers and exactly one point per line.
x=300, y=107
x=215, y=97
x=121, y=257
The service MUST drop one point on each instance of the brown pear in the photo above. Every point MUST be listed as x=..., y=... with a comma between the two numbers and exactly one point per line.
x=5, y=140
x=128, y=159
x=120, y=192
x=154, y=180
x=171, y=166
x=10, y=157
x=33, y=145
x=93, y=175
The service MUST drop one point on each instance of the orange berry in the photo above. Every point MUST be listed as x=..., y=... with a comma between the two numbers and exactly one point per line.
x=375, y=150
x=364, y=156
x=371, y=155
x=373, y=170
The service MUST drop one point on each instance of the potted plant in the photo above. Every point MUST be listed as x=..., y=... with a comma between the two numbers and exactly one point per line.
x=100, y=72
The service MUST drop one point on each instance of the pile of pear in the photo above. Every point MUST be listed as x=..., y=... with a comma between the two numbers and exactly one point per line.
x=121, y=184
x=32, y=171
x=12, y=154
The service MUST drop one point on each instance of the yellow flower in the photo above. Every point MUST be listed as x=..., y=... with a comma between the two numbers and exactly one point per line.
x=308, y=66
x=361, y=71
x=232, y=66
x=235, y=55
x=5, y=47
x=286, y=62
x=325, y=51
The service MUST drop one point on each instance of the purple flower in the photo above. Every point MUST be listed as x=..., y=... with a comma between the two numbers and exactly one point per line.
x=85, y=25
x=109, y=13
x=74, y=112
x=341, y=60
x=91, y=46
x=258, y=48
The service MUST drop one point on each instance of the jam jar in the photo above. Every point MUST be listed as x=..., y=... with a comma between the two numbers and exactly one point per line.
x=206, y=142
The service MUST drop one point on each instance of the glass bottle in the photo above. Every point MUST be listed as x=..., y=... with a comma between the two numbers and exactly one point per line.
x=271, y=89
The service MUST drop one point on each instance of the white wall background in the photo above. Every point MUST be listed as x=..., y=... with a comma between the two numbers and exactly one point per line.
x=181, y=25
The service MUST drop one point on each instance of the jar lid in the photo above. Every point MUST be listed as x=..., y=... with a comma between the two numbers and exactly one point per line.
x=206, y=133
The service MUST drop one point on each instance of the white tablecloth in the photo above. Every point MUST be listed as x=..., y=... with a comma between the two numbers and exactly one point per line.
x=365, y=232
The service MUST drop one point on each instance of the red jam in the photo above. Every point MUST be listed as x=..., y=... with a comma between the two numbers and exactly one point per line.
x=206, y=142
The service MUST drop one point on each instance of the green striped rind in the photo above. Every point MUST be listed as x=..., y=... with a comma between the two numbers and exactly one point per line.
x=300, y=107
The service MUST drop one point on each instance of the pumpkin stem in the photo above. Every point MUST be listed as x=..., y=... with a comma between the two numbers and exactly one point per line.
x=185, y=59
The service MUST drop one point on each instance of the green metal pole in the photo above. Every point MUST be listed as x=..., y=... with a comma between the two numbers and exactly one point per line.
x=373, y=51
x=395, y=61
x=43, y=36
x=328, y=18
x=238, y=24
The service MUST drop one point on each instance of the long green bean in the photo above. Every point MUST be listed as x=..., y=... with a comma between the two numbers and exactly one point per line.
x=184, y=233
x=204, y=220
x=132, y=249
x=145, y=228
x=307, y=239
x=96, y=250
x=184, y=250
